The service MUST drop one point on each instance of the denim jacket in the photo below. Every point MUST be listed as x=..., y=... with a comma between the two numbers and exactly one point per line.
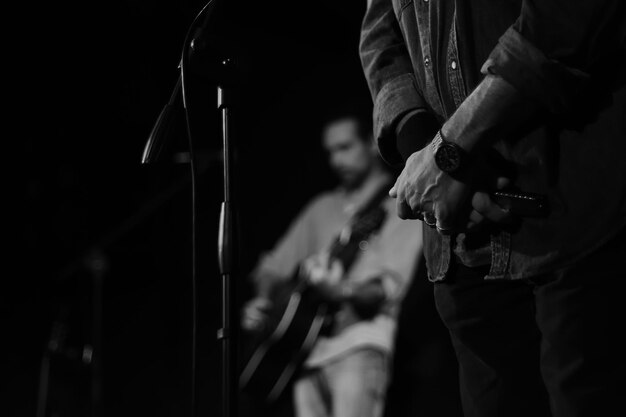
x=566, y=61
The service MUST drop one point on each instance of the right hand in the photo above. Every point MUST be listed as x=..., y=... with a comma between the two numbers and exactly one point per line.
x=485, y=209
x=324, y=274
x=255, y=313
x=320, y=268
x=422, y=190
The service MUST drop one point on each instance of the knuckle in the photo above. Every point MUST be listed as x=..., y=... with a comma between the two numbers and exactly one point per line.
x=441, y=212
x=414, y=202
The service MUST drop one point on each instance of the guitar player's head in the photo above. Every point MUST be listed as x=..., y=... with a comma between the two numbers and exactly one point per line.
x=352, y=154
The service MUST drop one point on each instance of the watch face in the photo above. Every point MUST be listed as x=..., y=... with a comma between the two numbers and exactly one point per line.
x=448, y=157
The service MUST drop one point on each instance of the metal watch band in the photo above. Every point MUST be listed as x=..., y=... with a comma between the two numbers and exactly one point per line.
x=437, y=140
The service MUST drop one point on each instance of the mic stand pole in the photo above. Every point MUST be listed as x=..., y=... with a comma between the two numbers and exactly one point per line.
x=222, y=71
x=225, y=256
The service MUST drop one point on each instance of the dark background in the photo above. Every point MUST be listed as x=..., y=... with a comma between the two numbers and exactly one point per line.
x=85, y=85
x=88, y=82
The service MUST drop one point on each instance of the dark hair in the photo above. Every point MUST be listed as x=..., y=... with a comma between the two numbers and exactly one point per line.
x=361, y=112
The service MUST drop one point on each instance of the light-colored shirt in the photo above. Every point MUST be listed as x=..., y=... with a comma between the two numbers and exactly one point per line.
x=392, y=253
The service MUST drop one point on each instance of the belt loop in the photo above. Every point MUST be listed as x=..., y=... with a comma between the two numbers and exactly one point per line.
x=500, y=254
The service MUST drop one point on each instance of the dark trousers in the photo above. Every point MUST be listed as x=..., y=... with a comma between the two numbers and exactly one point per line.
x=548, y=346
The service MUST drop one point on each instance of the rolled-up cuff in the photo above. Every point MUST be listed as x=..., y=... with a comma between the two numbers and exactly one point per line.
x=395, y=99
x=547, y=82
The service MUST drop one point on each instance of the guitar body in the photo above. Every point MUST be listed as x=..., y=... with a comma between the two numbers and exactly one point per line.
x=292, y=328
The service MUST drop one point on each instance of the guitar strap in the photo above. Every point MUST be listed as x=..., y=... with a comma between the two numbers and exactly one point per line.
x=366, y=221
x=346, y=245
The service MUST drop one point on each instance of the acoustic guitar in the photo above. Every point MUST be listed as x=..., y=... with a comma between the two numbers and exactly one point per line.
x=299, y=315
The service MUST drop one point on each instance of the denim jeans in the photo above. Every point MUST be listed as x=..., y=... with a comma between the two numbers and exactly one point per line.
x=551, y=345
x=352, y=386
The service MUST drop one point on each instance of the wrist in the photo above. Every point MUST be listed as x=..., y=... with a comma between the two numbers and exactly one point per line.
x=449, y=156
x=414, y=132
x=493, y=111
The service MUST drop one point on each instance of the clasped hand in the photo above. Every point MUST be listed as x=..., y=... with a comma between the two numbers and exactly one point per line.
x=423, y=191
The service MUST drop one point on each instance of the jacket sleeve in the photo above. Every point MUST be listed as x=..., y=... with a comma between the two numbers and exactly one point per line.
x=389, y=74
x=559, y=58
x=554, y=48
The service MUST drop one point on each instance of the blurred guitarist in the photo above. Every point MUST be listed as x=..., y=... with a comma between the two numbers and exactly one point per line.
x=346, y=372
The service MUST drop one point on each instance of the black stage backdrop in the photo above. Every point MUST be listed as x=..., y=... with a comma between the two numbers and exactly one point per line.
x=85, y=84
x=88, y=81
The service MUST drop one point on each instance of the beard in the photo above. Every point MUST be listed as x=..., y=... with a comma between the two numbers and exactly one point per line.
x=351, y=179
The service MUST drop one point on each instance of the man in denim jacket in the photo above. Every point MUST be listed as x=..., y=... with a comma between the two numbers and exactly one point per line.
x=475, y=97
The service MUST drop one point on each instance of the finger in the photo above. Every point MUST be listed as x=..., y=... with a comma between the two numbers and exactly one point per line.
x=254, y=315
x=260, y=307
x=337, y=267
x=264, y=304
x=247, y=324
x=471, y=226
x=429, y=219
x=393, y=192
x=307, y=266
x=476, y=217
x=313, y=272
x=482, y=203
x=251, y=324
x=403, y=209
x=443, y=222
x=444, y=231
x=316, y=275
x=475, y=220
x=336, y=272
x=420, y=210
x=444, y=227
x=502, y=182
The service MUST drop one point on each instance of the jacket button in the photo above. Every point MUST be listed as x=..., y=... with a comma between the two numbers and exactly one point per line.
x=453, y=64
x=426, y=61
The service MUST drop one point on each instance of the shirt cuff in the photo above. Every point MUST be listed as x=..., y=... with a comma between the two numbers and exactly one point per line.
x=545, y=81
x=398, y=97
x=414, y=131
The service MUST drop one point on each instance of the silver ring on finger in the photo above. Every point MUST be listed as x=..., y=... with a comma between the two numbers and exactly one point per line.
x=442, y=230
x=430, y=220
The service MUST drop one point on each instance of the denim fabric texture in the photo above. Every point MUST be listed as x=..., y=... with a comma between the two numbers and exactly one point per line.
x=567, y=59
x=548, y=346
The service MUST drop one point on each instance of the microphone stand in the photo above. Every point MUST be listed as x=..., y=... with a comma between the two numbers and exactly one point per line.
x=225, y=257
x=221, y=71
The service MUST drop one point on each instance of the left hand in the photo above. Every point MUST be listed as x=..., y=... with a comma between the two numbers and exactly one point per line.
x=423, y=191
